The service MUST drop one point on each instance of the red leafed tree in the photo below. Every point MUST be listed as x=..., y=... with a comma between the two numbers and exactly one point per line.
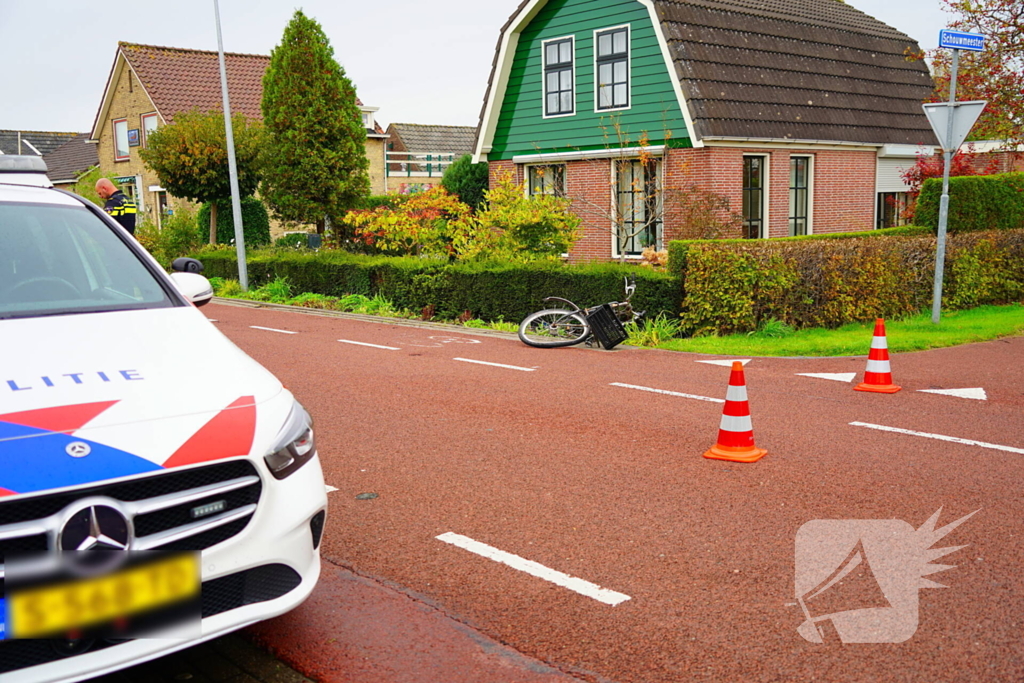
x=996, y=74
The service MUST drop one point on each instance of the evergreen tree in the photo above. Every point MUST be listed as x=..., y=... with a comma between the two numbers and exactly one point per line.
x=467, y=180
x=315, y=156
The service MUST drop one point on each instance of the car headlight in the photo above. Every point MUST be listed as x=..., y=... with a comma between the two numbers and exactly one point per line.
x=294, y=446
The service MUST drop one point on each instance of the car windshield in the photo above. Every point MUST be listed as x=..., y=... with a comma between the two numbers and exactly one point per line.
x=63, y=259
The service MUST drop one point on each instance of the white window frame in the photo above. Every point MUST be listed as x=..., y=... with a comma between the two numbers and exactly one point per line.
x=145, y=133
x=127, y=151
x=544, y=78
x=660, y=161
x=629, y=69
x=765, y=194
x=810, y=192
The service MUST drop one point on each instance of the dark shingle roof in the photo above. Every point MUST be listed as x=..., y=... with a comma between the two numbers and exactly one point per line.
x=796, y=69
x=429, y=138
x=43, y=141
x=791, y=69
x=69, y=160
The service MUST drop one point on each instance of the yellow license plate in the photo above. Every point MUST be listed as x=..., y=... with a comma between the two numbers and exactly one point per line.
x=44, y=611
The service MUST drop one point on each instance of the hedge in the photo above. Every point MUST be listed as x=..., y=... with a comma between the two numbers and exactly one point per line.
x=490, y=291
x=991, y=202
x=735, y=286
x=255, y=222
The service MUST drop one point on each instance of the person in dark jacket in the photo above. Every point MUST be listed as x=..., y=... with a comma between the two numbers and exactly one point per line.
x=121, y=208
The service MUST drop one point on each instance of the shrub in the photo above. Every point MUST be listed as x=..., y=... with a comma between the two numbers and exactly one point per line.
x=178, y=236
x=993, y=202
x=466, y=180
x=255, y=222
x=526, y=227
x=491, y=291
x=746, y=285
x=293, y=240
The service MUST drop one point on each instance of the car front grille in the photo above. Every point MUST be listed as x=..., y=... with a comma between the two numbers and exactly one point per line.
x=160, y=507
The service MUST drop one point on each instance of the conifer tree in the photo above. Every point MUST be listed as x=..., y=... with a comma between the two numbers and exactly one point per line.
x=315, y=157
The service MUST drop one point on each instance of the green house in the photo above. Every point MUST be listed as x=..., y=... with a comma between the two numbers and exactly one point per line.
x=666, y=119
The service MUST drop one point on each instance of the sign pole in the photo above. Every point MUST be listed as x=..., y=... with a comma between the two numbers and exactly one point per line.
x=940, y=246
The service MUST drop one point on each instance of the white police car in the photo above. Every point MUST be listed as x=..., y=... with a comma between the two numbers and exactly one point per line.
x=154, y=479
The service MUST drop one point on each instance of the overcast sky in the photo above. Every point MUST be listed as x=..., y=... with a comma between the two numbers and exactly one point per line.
x=420, y=61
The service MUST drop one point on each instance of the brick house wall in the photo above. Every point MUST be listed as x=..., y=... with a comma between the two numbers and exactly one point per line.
x=130, y=101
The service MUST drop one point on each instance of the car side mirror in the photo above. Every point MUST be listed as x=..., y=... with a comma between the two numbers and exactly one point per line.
x=186, y=265
x=193, y=286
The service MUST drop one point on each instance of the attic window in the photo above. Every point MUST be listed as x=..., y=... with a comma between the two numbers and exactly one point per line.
x=121, y=140
x=559, y=95
x=612, y=68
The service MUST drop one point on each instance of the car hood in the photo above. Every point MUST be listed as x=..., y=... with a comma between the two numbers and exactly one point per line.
x=91, y=397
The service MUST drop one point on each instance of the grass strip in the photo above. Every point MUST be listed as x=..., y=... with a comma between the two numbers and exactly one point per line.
x=913, y=334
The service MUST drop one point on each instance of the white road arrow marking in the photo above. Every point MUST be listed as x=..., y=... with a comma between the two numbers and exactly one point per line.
x=591, y=590
x=329, y=488
x=724, y=363
x=977, y=393
x=834, y=376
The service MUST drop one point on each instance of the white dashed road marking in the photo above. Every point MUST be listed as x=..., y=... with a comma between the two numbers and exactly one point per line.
x=977, y=393
x=375, y=346
x=591, y=590
x=496, y=365
x=940, y=437
x=724, y=363
x=834, y=376
x=271, y=329
x=668, y=393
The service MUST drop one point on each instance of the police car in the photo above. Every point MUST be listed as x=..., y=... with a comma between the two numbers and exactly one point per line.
x=158, y=487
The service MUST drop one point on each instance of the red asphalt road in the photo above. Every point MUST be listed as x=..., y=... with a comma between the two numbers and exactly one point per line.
x=608, y=484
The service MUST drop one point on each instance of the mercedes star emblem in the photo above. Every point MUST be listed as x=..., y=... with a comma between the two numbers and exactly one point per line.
x=78, y=449
x=97, y=527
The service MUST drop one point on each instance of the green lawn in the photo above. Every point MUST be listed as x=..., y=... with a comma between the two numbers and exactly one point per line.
x=913, y=334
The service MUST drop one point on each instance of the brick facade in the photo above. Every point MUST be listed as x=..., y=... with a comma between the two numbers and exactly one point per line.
x=842, y=190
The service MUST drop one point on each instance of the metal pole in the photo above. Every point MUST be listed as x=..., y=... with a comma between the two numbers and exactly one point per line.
x=940, y=246
x=236, y=202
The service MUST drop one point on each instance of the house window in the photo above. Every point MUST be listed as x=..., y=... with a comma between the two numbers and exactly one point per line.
x=546, y=180
x=892, y=207
x=638, y=205
x=121, y=140
x=149, y=124
x=754, y=171
x=559, y=98
x=799, y=195
x=613, y=69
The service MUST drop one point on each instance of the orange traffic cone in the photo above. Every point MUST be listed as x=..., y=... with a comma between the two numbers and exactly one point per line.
x=736, y=434
x=878, y=376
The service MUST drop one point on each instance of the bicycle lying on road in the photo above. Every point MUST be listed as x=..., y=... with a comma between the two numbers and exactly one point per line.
x=554, y=327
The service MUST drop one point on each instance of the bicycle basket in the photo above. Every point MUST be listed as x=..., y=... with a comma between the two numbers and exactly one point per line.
x=606, y=327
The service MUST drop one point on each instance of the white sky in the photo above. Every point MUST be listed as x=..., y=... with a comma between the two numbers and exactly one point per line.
x=420, y=61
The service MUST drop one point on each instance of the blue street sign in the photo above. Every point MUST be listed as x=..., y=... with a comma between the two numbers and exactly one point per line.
x=958, y=40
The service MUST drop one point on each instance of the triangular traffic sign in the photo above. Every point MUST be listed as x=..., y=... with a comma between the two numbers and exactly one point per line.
x=965, y=114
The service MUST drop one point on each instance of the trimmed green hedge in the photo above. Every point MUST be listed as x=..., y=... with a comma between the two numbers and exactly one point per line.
x=255, y=222
x=490, y=291
x=988, y=202
x=736, y=286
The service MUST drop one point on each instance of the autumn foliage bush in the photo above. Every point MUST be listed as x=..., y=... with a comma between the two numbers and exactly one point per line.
x=736, y=286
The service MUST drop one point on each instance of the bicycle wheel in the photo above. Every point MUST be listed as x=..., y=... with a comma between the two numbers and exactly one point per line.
x=553, y=327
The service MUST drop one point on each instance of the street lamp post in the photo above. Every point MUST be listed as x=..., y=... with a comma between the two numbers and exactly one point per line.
x=236, y=202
